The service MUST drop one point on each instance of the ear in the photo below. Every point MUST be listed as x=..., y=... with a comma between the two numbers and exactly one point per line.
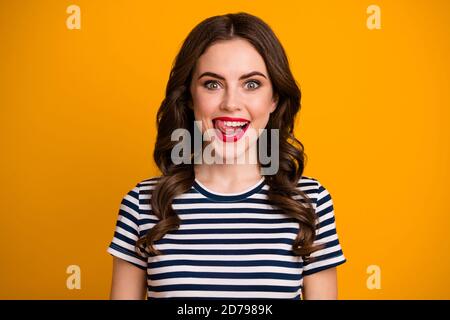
x=274, y=103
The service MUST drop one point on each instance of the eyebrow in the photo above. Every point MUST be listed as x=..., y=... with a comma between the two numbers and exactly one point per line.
x=244, y=76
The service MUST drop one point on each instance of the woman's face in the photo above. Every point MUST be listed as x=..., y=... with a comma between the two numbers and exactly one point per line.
x=232, y=96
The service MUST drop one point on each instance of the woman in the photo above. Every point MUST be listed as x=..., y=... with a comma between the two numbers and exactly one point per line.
x=216, y=225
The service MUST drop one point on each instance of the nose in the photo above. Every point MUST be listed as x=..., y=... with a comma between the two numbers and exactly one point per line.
x=231, y=100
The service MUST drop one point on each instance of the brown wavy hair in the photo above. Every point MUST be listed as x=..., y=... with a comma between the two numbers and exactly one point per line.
x=175, y=112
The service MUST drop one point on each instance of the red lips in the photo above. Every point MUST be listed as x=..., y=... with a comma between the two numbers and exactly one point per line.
x=230, y=133
x=230, y=119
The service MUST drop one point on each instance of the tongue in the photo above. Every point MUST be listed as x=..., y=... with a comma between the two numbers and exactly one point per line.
x=219, y=124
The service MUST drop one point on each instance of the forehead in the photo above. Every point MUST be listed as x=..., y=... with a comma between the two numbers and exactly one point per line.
x=229, y=57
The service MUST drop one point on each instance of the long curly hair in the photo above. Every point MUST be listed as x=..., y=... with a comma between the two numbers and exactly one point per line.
x=175, y=112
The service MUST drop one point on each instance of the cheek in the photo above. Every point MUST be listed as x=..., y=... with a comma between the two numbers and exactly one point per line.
x=204, y=110
x=205, y=105
x=260, y=112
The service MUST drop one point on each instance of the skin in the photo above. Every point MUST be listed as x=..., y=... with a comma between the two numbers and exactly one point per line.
x=128, y=281
x=251, y=98
x=321, y=285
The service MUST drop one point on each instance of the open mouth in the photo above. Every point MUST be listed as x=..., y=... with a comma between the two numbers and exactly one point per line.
x=230, y=129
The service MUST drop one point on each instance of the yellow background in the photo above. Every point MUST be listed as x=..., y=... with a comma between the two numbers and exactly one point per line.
x=78, y=130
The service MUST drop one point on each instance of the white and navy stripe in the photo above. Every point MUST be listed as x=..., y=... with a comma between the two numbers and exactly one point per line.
x=228, y=245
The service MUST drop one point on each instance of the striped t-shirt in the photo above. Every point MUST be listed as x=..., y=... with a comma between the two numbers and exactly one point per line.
x=228, y=245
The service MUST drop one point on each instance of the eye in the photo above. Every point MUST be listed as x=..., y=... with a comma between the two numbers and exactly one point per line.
x=214, y=85
x=211, y=85
x=255, y=85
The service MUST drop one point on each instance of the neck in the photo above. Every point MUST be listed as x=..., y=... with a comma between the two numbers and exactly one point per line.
x=239, y=173
x=228, y=177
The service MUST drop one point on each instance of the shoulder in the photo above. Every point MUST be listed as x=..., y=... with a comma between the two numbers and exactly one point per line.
x=139, y=191
x=148, y=183
x=313, y=188
x=309, y=184
x=138, y=199
x=145, y=188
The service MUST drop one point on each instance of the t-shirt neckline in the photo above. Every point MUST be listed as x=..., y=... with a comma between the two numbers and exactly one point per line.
x=228, y=197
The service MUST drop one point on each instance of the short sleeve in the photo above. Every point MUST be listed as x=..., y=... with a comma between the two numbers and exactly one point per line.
x=331, y=255
x=127, y=230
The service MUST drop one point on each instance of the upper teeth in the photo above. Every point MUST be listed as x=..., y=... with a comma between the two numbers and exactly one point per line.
x=234, y=123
